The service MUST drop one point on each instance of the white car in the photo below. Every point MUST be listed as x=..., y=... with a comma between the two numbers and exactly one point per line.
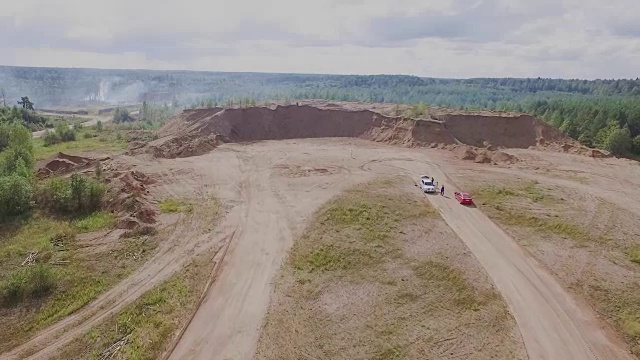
x=427, y=184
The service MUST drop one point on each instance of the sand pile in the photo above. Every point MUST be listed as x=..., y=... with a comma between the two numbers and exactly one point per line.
x=196, y=132
x=574, y=147
x=484, y=155
x=62, y=164
x=131, y=201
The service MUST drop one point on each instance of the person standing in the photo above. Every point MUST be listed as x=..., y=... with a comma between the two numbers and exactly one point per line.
x=442, y=190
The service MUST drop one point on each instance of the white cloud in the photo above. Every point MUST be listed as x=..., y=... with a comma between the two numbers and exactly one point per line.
x=441, y=38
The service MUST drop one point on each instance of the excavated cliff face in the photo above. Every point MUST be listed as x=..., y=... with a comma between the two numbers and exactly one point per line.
x=520, y=131
x=195, y=132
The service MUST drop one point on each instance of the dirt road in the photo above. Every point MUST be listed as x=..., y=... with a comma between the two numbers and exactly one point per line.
x=553, y=324
x=272, y=187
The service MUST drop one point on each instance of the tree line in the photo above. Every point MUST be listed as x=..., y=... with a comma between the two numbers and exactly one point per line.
x=602, y=113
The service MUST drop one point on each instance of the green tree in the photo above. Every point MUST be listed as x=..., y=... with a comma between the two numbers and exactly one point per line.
x=19, y=147
x=619, y=141
x=26, y=103
x=635, y=145
x=15, y=195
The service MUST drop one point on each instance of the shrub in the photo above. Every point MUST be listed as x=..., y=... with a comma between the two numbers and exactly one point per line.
x=31, y=282
x=74, y=195
x=50, y=138
x=121, y=115
x=15, y=195
x=65, y=133
x=17, y=146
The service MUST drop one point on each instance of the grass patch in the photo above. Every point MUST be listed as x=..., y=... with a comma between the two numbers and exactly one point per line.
x=29, y=282
x=98, y=220
x=364, y=224
x=175, y=206
x=62, y=280
x=505, y=204
x=33, y=234
x=150, y=321
x=495, y=194
x=107, y=141
x=555, y=226
x=439, y=274
x=634, y=254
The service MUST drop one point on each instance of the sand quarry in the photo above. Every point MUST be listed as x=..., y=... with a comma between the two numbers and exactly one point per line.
x=518, y=293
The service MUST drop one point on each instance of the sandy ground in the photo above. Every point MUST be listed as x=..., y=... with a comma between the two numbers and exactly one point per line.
x=272, y=188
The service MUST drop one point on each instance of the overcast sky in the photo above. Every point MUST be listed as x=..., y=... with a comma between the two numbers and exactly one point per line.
x=436, y=38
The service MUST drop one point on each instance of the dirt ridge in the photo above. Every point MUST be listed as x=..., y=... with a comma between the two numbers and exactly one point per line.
x=197, y=131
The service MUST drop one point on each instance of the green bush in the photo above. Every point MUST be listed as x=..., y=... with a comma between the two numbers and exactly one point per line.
x=50, y=138
x=65, y=132
x=31, y=282
x=74, y=195
x=15, y=144
x=15, y=195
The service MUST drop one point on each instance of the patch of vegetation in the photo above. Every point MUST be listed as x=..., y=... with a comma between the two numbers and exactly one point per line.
x=30, y=282
x=365, y=222
x=106, y=141
x=122, y=115
x=418, y=110
x=75, y=195
x=502, y=207
x=634, y=254
x=150, y=321
x=389, y=353
x=63, y=279
x=552, y=225
x=16, y=170
x=77, y=287
x=619, y=302
x=62, y=133
x=439, y=274
x=175, y=206
x=529, y=190
x=98, y=220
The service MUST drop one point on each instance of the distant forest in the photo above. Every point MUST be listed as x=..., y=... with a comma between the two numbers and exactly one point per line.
x=601, y=113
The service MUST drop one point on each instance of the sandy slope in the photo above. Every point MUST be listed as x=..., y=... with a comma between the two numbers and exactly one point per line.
x=272, y=188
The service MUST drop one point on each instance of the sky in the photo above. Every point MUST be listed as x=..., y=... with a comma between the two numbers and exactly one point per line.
x=584, y=39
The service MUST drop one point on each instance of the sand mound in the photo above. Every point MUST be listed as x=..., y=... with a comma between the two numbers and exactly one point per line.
x=62, y=164
x=484, y=156
x=503, y=157
x=131, y=201
x=196, y=132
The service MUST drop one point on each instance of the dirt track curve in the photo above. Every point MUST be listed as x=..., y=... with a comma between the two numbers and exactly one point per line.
x=272, y=187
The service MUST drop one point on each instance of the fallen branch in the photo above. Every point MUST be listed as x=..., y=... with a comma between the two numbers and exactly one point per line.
x=30, y=259
x=109, y=352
